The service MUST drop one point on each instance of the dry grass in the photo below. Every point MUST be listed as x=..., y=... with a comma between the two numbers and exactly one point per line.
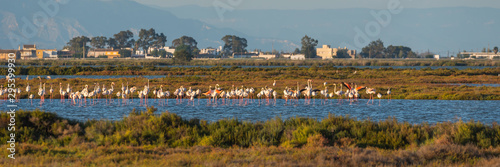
x=87, y=154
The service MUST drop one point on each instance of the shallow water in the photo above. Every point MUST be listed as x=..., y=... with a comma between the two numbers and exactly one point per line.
x=412, y=111
x=470, y=84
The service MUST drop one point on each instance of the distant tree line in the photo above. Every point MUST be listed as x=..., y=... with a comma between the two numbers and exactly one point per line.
x=187, y=46
x=376, y=49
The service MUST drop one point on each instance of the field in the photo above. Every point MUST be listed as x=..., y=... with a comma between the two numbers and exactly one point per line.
x=404, y=83
x=154, y=138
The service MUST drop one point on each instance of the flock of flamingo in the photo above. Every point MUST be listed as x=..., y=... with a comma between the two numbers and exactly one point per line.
x=241, y=96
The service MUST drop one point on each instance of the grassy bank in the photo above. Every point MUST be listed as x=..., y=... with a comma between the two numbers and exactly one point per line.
x=274, y=62
x=150, y=137
x=404, y=83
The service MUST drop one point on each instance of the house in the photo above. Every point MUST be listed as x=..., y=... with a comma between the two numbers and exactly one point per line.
x=29, y=47
x=298, y=57
x=28, y=51
x=110, y=53
x=46, y=53
x=65, y=53
x=4, y=54
x=267, y=56
x=436, y=57
x=286, y=55
x=211, y=51
x=244, y=55
x=488, y=55
x=166, y=48
x=325, y=52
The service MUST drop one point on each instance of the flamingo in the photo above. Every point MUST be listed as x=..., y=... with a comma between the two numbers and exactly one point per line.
x=85, y=93
x=51, y=91
x=190, y=93
x=379, y=96
x=132, y=90
x=274, y=83
x=338, y=93
x=167, y=95
x=127, y=92
x=68, y=89
x=308, y=91
x=110, y=91
x=389, y=93
x=198, y=93
x=275, y=95
x=208, y=94
x=140, y=95
x=2, y=93
x=98, y=92
x=118, y=95
x=18, y=94
x=286, y=94
x=371, y=92
x=31, y=98
x=160, y=94
x=62, y=93
x=145, y=91
x=325, y=94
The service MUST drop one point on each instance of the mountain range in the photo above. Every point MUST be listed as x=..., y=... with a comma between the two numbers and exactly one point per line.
x=437, y=29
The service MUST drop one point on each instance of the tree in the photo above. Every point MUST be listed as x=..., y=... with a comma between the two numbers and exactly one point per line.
x=397, y=51
x=160, y=40
x=124, y=39
x=149, y=38
x=185, y=40
x=154, y=53
x=374, y=50
x=162, y=53
x=495, y=49
x=125, y=53
x=342, y=53
x=78, y=44
x=99, y=42
x=112, y=43
x=296, y=51
x=183, y=54
x=309, y=47
x=234, y=44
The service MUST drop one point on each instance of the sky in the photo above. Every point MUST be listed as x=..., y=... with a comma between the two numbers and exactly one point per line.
x=322, y=4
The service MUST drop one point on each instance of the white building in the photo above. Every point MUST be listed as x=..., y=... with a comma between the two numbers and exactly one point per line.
x=50, y=53
x=298, y=57
x=436, y=57
x=267, y=56
x=166, y=48
x=488, y=55
x=210, y=51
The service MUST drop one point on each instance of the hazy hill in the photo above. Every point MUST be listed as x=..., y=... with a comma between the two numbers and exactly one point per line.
x=95, y=18
x=438, y=29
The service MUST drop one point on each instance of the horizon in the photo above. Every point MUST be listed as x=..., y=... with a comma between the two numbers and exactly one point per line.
x=440, y=27
x=320, y=4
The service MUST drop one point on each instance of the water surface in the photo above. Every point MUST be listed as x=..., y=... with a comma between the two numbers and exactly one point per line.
x=412, y=111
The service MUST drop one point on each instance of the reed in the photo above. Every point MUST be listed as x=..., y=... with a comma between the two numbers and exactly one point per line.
x=150, y=137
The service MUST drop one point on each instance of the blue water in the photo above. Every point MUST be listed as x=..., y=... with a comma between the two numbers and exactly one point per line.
x=470, y=84
x=412, y=111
